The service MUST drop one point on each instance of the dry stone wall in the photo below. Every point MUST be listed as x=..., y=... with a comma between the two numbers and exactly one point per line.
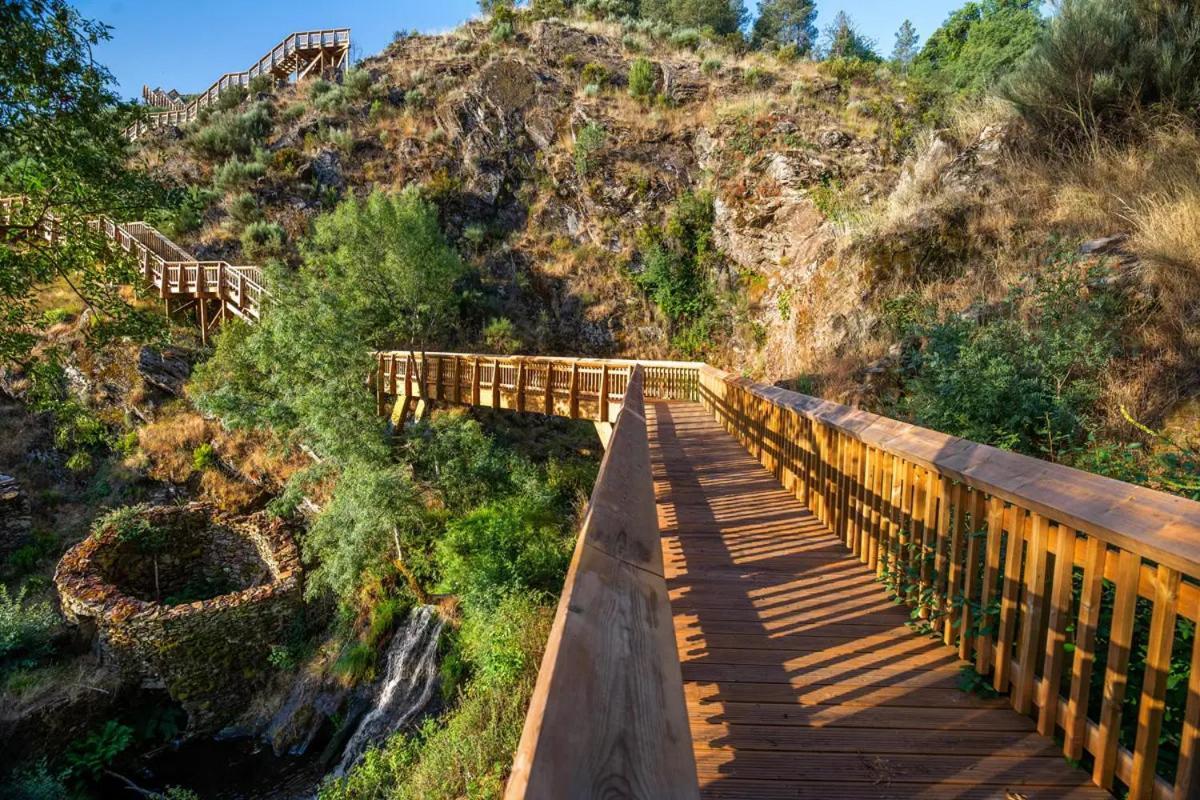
x=209, y=653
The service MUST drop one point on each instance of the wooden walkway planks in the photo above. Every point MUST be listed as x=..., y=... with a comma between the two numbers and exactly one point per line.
x=801, y=678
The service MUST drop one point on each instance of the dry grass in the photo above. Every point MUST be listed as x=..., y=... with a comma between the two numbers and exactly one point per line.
x=169, y=442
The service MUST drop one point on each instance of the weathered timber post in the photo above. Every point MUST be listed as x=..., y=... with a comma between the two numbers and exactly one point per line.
x=573, y=392
x=549, y=405
x=495, y=383
x=457, y=380
x=602, y=411
x=475, y=381
x=521, y=385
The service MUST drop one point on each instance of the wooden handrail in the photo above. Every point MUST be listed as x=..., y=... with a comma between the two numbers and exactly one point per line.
x=987, y=545
x=165, y=265
x=607, y=717
x=278, y=61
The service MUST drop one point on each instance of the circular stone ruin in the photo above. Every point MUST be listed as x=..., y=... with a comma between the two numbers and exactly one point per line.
x=182, y=597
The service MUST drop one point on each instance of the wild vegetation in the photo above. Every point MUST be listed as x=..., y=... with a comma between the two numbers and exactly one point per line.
x=901, y=233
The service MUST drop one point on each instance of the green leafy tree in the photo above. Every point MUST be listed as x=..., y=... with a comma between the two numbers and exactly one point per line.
x=720, y=16
x=786, y=22
x=906, y=46
x=843, y=40
x=979, y=44
x=63, y=150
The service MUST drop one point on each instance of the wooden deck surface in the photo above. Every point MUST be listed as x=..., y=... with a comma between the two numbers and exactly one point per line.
x=800, y=676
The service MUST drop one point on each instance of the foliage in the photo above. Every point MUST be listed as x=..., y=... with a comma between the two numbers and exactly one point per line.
x=588, y=142
x=905, y=50
x=244, y=209
x=87, y=758
x=78, y=433
x=500, y=336
x=467, y=753
x=1103, y=60
x=26, y=629
x=133, y=528
x=979, y=44
x=511, y=545
x=236, y=174
x=184, y=210
x=843, y=40
x=641, y=78
x=786, y=22
x=262, y=240
x=36, y=782
x=679, y=261
x=1024, y=378
x=62, y=147
x=204, y=457
x=720, y=16
x=228, y=133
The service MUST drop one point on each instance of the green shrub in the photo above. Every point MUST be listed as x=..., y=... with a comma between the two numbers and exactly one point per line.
x=292, y=113
x=26, y=629
x=228, y=133
x=757, y=78
x=34, y=783
x=594, y=73
x=722, y=17
x=500, y=336
x=848, y=69
x=57, y=316
x=244, y=208
x=204, y=457
x=641, y=78
x=1102, y=60
x=588, y=142
x=236, y=174
x=87, y=758
x=186, y=209
x=231, y=98
x=711, y=66
x=1025, y=378
x=262, y=240
x=687, y=38
x=261, y=84
x=78, y=433
x=357, y=84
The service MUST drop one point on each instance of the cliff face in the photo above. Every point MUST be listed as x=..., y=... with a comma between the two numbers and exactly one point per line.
x=545, y=169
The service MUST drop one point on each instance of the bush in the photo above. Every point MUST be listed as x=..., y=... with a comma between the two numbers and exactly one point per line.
x=357, y=84
x=500, y=336
x=1103, y=60
x=244, y=209
x=261, y=84
x=711, y=66
x=262, y=240
x=235, y=174
x=57, y=316
x=720, y=16
x=593, y=74
x=204, y=457
x=34, y=783
x=687, y=38
x=186, y=210
x=26, y=629
x=231, y=98
x=229, y=133
x=1026, y=378
x=78, y=433
x=848, y=69
x=588, y=142
x=641, y=78
x=757, y=78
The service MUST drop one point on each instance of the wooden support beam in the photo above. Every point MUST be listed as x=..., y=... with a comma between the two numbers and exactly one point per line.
x=602, y=411
x=573, y=392
x=548, y=405
x=520, y=401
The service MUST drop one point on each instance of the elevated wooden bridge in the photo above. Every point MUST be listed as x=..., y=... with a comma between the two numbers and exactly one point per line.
x=214, y=289
x=300, y=54
x=773, y=596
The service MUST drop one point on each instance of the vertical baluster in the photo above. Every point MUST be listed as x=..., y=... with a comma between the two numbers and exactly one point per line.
x=475, y=381
x=955, y=555
x=520, y=389
x=1187, y=775
x=1031, y=617
x=1060, y=617
x=1152, y=705
x=1010, y=589
x=548, y=405
x=1075, y=722
x=496, y=398
x=971, y=570
x=602, y=411
x=1116, y=673
x=929, y=540
x=991, y=570
x=573, y=392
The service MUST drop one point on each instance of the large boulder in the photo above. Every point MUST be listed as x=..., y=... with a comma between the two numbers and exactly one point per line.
x=167, y=369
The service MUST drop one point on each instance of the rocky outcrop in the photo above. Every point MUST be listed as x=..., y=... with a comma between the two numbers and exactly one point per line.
x=167, y=369
x=15, y=521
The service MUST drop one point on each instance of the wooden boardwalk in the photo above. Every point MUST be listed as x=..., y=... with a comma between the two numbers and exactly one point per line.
x=801, y=678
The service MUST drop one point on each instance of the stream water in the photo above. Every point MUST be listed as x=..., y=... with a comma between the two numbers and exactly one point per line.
x=246, y=768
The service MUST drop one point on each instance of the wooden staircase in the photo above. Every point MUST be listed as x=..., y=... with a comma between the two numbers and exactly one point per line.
x=298, y=55
x=214, y=289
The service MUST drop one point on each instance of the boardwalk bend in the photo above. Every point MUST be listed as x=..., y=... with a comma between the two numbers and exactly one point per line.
x=724, y=630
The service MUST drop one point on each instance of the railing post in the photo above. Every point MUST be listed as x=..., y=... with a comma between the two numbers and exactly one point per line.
x=549, y=405
x=602, y=411
x=475, y=381
x=521, y=385
x=573, y=392
x=457, y=380
x=496, y=383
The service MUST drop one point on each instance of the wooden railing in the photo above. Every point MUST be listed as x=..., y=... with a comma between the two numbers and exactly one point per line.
x=1024, y=565
x=298, y=52
x=607, y=717
x=165, y=265
x=577, y=388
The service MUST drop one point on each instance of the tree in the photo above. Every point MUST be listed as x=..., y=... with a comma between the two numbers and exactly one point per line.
x=63, y=150
x=906, y=46
x=720, y=16
x=843, y=40
x=979, y=44
x=787, y=22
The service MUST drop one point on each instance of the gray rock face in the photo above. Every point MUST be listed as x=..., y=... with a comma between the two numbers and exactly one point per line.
x=15, y=522
x=167, y=370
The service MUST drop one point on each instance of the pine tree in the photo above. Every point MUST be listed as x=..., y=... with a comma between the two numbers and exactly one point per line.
x=785, y=22
x=843, y=40
x=906, y=46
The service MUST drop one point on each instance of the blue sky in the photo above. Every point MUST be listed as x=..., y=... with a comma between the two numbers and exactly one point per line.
x=187, y=46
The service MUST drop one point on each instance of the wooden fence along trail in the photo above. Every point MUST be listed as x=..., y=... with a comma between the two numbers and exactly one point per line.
x=298, y=55
x=215, y=289
x=778, y=517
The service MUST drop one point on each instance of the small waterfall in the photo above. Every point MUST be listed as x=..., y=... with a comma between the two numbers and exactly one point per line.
x=406, y=687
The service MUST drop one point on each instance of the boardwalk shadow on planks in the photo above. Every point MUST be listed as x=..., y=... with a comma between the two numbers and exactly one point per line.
x=800, y=676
